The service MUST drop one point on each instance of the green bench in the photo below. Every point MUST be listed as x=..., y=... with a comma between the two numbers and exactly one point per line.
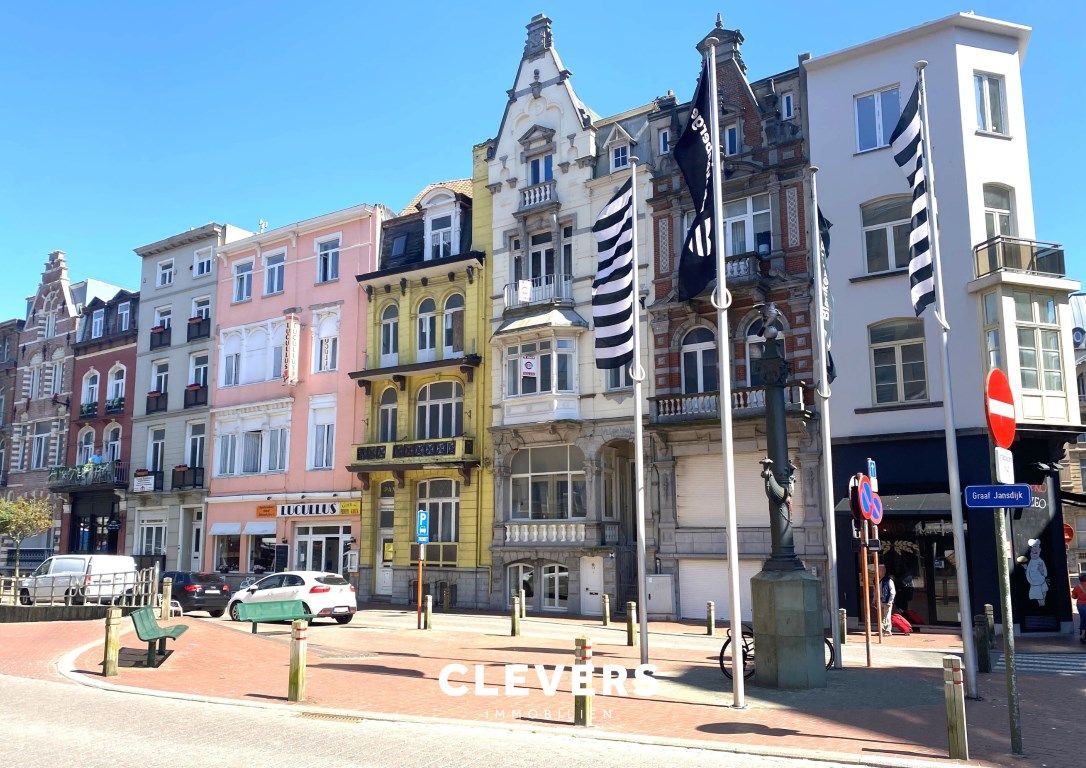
x=272, y=610
x=148, y=630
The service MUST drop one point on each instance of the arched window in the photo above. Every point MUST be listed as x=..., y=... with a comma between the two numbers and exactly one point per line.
x=441, y=498
x=90, y=388
x=998, y=211
x=886, y=226
x=390, y=335
x=898, y=372
x=440, y=411
x=254, y=366
x=427, y=334
x=700, y=369
x=116, y=383
x=386, y=419
x=555, y=587
x=85, y=446
x=755, y=345
x=453, y=342
x=231, y=360
x=326, y=344
x=113, y=444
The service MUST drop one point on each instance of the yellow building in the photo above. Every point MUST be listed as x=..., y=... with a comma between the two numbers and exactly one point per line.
x=429, y=405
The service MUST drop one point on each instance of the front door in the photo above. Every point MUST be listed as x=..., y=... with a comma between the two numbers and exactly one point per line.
x=383, y=558
x=592, y=586
x=196, y=540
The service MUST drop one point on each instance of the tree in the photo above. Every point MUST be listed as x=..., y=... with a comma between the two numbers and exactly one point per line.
x=22, y=518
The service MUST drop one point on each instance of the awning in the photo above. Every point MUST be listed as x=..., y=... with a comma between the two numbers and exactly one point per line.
x=225, y=529
x=555, y=318
x=260, y=528
x=909, y=504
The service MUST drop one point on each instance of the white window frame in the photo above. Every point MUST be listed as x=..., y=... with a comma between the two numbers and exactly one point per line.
x=888, y=235
x=387, y=416
x=195, y=444
x=898, y=345
x=117, y=385
x=203, y=261
x=124, y=315
x=554, y=348
x=553, y=572
x=160, y=376
x=731, y=140
x=617, y=379
x=35, y=375
x=327, y=261
x=993, y=217
x=620, y=157
x=39, y=442
x=275, y=274
x=440, y=239
x=390, y=336
x=1039, y=328
x=747, y=219
x=242, y=281
x=198, y=372
x=231, y=369
x=444, y=510
x=252, y=439
x=571, y=475
x=325, y=343
x=278, y=448
x=56, y=376
x=164, y=273
x=426, y=331
x=541, y=169
x=883, y=128
x=111, y=442
x=201, y=307
x=991, y=311
x=429, y=410
x=320, y=450
x=663, y=141
x=156, y=449
x=98, y=323
x=448, y=329
x=91, y=381
x=164, y=317
x=84, y=449
x=698, y=350
x=151, y=535
x=50, y=323
x=983, y=97
x=227, y=454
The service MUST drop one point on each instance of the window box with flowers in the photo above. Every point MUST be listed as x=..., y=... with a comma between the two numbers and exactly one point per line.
x=157, y=328
x=196, y=320
x=193, y=387
x=180, y=467
x=154, y=393
x=142, y=472
x=160, y=337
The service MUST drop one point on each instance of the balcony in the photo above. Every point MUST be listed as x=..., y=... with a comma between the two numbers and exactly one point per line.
x=145, y=481
x=195, y=395
x=539, y=195
x=199, y=328
x=744, y=269
x=539, y=409
x=87, y=477
x=1014, y=254
x=704, y=406
x=88, y=410
x=187, y=477
x=543, y=532
x=547, y=289
x=456, y=452
x=156, y=402
x=160, y=337
x=115, y=405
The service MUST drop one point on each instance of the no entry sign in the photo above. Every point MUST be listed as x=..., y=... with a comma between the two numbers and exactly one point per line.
x=999, y=408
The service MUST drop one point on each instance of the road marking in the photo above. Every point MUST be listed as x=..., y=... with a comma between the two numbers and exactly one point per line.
x=1052, y=663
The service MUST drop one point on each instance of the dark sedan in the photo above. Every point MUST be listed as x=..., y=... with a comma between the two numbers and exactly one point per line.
x=200, y=591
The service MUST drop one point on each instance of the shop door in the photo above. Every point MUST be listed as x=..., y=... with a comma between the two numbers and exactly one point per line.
x=383, y=558
x=940, y=565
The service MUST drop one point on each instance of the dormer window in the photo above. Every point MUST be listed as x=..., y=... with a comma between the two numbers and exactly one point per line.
x=399, y=246
x=98, y=322
x=542, y=169
x=441, y=237
x=442, y=231
x=620, y=157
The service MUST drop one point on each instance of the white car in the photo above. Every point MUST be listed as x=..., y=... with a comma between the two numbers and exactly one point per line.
x=322, y=594
x=79, y=579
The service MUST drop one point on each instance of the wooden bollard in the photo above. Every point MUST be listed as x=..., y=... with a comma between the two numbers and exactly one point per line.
x=523, y=604
x=606, y=609
x=446, y=599
x=989, y=616
x=167, y=598
x=980, y=641
x=113, y=642
x=710, y=618
x=428, y=612
x=842, y=624
x=515, y=616
x=582, y=704
x=631, y=621
x=296, y=684
x=955, y=708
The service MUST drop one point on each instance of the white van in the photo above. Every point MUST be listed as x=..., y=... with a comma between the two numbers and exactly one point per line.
x=78, y=579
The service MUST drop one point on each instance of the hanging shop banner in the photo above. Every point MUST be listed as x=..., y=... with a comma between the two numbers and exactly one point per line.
x=291, y=338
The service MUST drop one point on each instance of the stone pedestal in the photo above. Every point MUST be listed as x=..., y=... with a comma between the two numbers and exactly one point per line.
x=789, y=639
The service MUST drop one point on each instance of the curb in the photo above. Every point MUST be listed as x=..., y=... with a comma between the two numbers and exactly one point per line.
x=65, y=666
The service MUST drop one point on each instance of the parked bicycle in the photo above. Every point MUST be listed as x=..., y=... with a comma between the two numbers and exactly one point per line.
x=748, y=653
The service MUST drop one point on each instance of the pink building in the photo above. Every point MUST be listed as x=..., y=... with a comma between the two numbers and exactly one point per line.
x=291, y=324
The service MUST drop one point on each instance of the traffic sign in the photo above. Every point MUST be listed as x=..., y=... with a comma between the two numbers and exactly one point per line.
x=876, y=509
x=999, y=408
x=422, y=527
x=1068, y=534
x=866, y=495
x=996, y=496
x=872, y=472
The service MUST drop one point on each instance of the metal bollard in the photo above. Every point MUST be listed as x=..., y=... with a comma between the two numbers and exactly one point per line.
x=710, y=618
x=989, y=616
x=167, y=596
x=842, y=623
x=515, y=616
x=954, y=692
x=296, y=682
x=523, y=604
x=582, y=704
x=112, y=653
x=980, y=641
x=606, y=610
x=631, y=620
x=428, y=612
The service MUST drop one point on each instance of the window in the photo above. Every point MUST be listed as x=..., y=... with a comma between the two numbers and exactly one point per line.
x=555, y=587
x=322, y=419
x=386, y=417
x=536, y=367
x=441, y=498
x=152, y=538
x=700, y=366
x=56, y=378
x=427, y=330
x=390, y=335
x=731, y=139
x=547, y=484
x=50, y=324
x=788, y=105
x=201, y=262
x=998, y=214
x=1039, y=359
x=747, y=226
x=327, y=350
x=113, y=444
x=277, y=449
x=520, y=578
x=228, y=553
x=619, y=378
x=160, y=376
x=274, y=272
x=541, y=169
x=620, y=157
x=325, y=343
x=116, y=383
x=85, y=447
x=399, y=246
x=989, y=93
x=897, y=361
x=886, y=226
x=251, y=448
x=440, y=237
x=992, y=349
x=755, y=348
x=876, y=116
x=124, y=315
x=163, y=317
x=156, y=449
x=453, y=322
x=231, y=369
x=440, y=411
x=323, y=443
x=165, y=273
x=197, y=438
x=98, y=323
x=243, y=281
x=90, y=388
x=201, y=308
x=35, y=382
x=328, y=260
x=198, y=366
x=228, y=447
x=664, y=141
x=39, y=451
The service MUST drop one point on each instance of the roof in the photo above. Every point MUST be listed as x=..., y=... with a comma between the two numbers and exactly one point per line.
x=86, y=291
x=457, y=186
x=559, y=317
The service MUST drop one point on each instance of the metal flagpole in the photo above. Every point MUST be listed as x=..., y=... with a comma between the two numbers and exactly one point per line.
x=722, y=300
x=965, y=609
x=821, y=282
x=637, y=373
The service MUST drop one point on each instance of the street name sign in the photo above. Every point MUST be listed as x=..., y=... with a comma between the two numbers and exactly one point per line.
x=996, y=496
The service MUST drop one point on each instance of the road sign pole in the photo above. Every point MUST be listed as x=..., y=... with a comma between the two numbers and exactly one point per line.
x=867, y=594
x=878, y=584
x=1003, y=557
x=418, y=595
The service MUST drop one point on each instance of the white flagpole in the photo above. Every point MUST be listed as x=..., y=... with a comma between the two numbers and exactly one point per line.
x=965, y=612
x=823, y=391
x=722, y=300
x=637, y=373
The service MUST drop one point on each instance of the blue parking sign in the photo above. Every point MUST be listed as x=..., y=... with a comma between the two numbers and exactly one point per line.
x=422, y=527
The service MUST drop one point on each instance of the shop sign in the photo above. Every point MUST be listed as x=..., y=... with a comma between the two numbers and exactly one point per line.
x=319, y=509
x=291, y=336
x=265, y=510
x=143, y=483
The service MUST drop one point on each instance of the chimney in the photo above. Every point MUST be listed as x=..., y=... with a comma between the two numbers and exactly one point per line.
x=540, y=38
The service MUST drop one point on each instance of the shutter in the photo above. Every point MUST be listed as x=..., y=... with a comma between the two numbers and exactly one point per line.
x=699, y=492
x=703, y=580
x=458, y=331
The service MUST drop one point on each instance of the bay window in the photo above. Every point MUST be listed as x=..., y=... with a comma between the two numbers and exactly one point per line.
x=1039, y=354
x=547, y=484
x=538, y=367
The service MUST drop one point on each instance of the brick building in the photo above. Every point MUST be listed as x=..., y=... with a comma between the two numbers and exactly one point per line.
x=9, y=348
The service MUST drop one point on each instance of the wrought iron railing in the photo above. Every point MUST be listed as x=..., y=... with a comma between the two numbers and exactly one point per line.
x=539, y=290
x=106, y=473
x=706, y=405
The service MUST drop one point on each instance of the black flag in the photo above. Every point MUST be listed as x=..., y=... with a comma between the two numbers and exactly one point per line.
x=694, y=155
x=827, y=299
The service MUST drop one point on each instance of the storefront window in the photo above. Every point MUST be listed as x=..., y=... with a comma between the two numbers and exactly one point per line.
x=547, y=484
x=227, y=553
x=320, y=547
x=261, y=553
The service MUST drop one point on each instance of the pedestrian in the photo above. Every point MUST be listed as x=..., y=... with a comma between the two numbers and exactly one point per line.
x=1079, y=596
x=887, y=593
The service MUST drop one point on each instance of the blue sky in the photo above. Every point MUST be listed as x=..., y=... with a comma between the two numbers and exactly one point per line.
x=130, y=122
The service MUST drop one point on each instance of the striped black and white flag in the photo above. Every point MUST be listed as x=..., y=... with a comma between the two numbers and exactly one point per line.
x=907, y=141
x=612, y=290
